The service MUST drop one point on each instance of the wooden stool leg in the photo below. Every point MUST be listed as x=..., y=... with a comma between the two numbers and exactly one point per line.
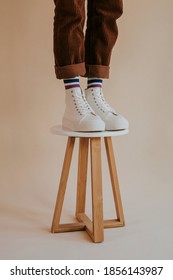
x=63, y=183
x=97, y=200
x=82, y=175
x=115, y=185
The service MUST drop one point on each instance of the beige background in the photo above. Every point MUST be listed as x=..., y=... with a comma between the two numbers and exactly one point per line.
x=32, y=100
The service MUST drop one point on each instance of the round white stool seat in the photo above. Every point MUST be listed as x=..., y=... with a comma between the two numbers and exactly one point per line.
x=59, y=130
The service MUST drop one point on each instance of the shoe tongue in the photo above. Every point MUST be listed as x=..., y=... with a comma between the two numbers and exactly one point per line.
x=98, y=91
x=78, y=93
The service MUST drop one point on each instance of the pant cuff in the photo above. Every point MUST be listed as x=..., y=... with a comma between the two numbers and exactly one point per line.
x=70, y=71
x=99, y=71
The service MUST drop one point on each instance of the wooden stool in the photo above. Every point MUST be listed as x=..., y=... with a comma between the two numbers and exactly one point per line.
x=94, y=228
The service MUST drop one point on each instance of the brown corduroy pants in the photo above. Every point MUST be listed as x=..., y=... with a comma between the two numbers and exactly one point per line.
x=89, y=54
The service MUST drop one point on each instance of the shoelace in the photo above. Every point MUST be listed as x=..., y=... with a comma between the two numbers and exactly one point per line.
x=103, y=104
x=82, y=105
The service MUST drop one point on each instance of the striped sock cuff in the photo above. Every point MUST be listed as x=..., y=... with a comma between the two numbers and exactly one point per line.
x=71, y=83
x=94, y=82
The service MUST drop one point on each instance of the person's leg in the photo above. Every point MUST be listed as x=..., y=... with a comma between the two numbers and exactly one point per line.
x=69, y=65
x=101, y=35
x=70, y=61
x=69, y=38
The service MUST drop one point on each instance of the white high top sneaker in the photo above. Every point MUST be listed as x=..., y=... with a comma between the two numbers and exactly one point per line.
x=78, y=115
x=96, y=100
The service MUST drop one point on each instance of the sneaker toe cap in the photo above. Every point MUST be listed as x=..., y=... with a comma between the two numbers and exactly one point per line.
x=92, y=123
x=116, y=122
